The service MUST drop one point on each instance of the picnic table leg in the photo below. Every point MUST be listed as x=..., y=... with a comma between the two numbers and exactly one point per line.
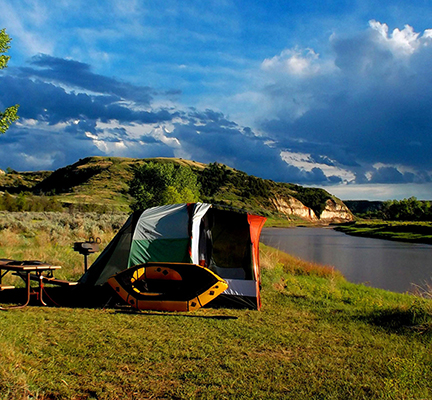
x=41, y=286
x=28, y=291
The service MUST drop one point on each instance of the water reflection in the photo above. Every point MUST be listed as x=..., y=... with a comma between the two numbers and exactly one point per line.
x=380, y=263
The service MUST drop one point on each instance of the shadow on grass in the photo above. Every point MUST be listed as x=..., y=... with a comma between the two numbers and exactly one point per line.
x=170, y=314
x=71, y=297
x=401, y=320
x=398, y=319
x=82, y=297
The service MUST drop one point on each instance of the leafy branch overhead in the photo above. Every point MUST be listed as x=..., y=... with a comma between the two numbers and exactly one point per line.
x=10, y=114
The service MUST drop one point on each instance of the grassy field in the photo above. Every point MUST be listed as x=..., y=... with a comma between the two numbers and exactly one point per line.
x=49, y=237
x=317, y=337
x=419, y=232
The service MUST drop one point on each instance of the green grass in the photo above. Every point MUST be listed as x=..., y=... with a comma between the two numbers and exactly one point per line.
x=418, y=232
x=314, y=338
x=317, y=337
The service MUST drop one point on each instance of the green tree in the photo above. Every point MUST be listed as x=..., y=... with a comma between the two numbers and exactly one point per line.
x=156, y=184
x=10, y=114
x=213, y=177
x=406, y=210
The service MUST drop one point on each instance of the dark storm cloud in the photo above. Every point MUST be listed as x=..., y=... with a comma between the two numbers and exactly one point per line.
x=82, y=126
x=40, y=149
x=372, y=107
x=228, y=144
x=59, y=126
x=77, y=74
x=393, y=175
x=53, y=104
x=211, y=116
x=389, y=175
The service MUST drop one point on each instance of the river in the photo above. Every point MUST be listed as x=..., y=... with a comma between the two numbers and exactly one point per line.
x=384, y=264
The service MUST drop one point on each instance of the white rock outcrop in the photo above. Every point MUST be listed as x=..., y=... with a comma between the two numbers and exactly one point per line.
x=291, y=206
x=334, y=212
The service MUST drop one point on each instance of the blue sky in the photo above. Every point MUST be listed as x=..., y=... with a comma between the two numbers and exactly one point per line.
x=330, y=94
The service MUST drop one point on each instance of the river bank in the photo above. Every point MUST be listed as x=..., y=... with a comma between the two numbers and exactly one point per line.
x=414, y=232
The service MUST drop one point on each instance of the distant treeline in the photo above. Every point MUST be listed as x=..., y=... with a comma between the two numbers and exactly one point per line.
x=409, y=209
x=28, y=202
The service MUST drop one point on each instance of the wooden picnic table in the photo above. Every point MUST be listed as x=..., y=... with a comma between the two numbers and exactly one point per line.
x=27, y=271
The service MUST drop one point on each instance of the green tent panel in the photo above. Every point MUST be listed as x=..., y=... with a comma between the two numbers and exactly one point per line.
x=162, y=250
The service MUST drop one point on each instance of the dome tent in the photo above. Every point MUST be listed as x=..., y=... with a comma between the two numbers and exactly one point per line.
x=223, y=240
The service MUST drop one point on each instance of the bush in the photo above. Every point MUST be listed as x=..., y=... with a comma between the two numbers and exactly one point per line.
x=28, y=202
x=156, y=184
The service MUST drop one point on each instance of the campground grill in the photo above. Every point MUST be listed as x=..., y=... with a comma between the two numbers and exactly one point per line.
x=86, y=248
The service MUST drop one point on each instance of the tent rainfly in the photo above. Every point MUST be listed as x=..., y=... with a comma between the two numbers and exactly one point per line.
x=224, y=241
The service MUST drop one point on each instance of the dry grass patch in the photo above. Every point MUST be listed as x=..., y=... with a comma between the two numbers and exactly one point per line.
x=49, y=237
x=272, y=258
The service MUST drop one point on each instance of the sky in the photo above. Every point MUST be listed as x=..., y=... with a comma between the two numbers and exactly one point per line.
x=332, y=94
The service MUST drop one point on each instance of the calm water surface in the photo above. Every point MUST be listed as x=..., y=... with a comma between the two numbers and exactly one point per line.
x=379, y=263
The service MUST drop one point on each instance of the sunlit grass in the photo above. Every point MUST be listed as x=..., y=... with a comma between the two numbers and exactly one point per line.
x=317, y=337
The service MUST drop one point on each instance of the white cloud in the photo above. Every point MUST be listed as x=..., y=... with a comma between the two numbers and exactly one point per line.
x=40, y=161
x=24, y=25
x=306, y=162
x=294, y=62
x=107, y=137
x=403, y=41
x=427, y=34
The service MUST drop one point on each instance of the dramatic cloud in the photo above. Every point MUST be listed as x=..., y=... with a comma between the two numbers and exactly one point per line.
x=68, y=112
x=78, y=75
x=365, y=103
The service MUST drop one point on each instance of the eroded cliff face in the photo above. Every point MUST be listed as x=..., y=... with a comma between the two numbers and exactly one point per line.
x=336, y=213
x=291, y=206
x=333, y=212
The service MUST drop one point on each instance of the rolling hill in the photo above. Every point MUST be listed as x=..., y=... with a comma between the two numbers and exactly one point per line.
x=102, y=184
